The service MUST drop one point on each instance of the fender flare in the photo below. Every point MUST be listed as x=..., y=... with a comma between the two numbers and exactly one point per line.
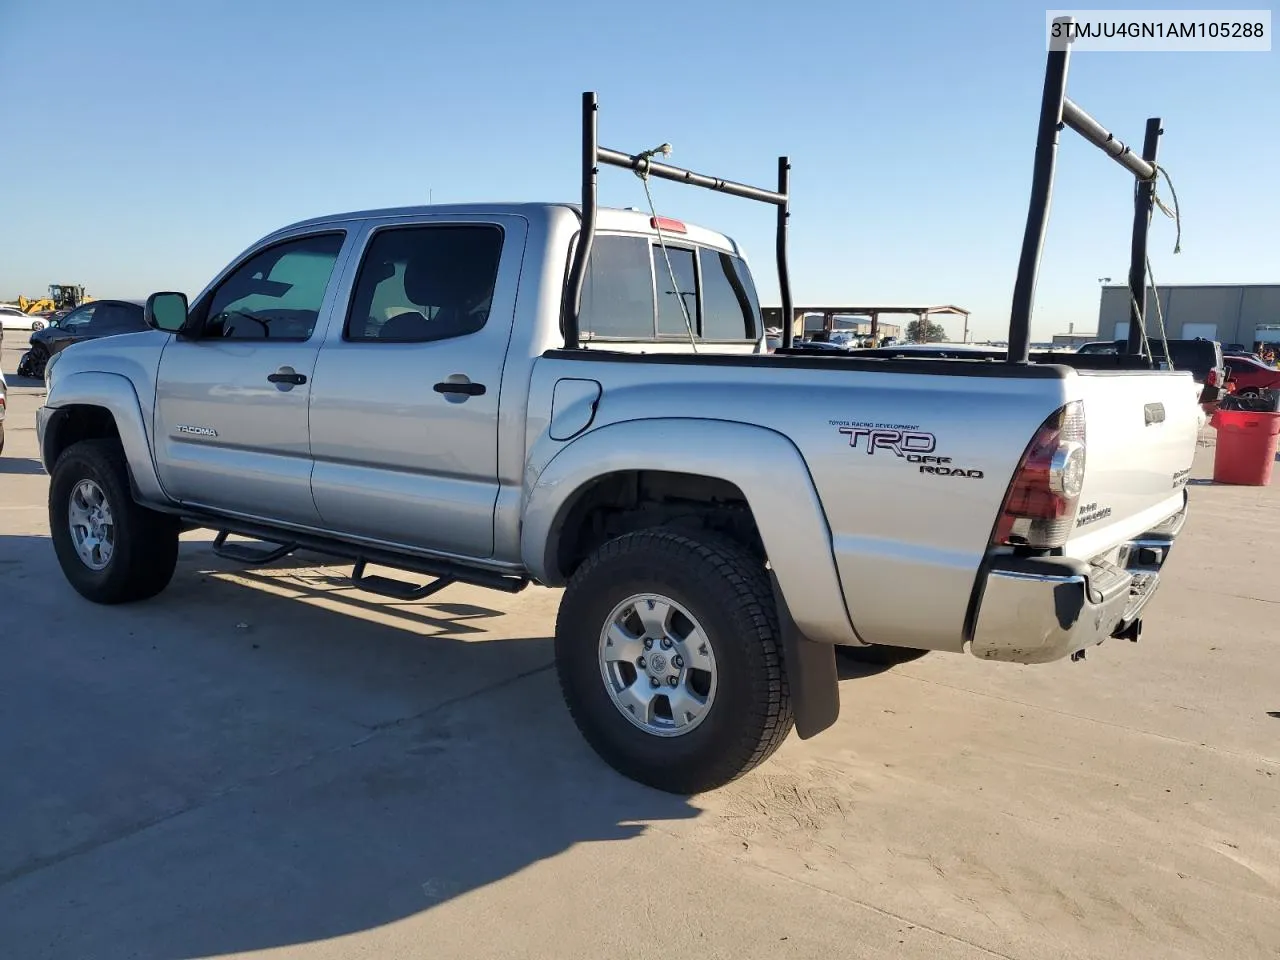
x=763, y=464
x=115, y=394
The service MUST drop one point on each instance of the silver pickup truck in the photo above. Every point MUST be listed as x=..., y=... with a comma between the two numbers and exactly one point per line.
x=575, y=396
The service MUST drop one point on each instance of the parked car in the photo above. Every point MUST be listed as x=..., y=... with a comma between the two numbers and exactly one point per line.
x=396, y=387
x=101, y=318
x=1203, y=358
x=1250, y=376
x=11, y=318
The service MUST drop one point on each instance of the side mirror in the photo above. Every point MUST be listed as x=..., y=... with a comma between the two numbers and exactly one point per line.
x=166, y=311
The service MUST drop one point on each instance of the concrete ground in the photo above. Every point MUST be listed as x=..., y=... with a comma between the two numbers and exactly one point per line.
x=272, y=764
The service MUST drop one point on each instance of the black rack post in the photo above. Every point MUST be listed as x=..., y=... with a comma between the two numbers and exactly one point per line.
x=1056, y=112
x=593, y=155
x=1024, y=288
x=784, y=274
x=578, y=270
x=1143, y=201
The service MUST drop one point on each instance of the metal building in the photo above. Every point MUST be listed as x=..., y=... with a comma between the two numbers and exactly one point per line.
x=1230, y=313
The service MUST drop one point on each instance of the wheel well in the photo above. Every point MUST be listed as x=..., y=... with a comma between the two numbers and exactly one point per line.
x=619, y=503
x=74, y=423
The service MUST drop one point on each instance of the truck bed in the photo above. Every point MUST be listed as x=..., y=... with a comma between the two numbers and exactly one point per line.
x=908, y=543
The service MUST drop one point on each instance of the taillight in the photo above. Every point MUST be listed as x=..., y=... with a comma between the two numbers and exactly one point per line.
x=1212, y=379
x=1040, y=507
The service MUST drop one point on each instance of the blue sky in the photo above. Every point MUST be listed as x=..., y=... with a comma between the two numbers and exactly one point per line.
x=168, y=136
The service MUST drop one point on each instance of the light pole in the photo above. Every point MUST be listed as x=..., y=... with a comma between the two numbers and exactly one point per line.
x=1102, y=282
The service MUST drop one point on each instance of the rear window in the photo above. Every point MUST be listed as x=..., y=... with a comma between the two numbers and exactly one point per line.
x=628, y=292
x=673, y=321
x=730, y=308
x=617, y=297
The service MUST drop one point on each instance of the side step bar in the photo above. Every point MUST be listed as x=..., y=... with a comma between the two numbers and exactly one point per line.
x=254, y=556
x=396, y=589
x=446, y=572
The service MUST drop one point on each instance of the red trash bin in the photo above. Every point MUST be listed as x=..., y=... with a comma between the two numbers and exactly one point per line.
x=1246, y=448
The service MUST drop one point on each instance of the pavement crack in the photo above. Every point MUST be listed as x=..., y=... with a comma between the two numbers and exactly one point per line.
x=817, y=888
x=141, y=826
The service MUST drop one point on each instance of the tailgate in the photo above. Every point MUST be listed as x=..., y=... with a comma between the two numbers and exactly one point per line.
x=1140, y=440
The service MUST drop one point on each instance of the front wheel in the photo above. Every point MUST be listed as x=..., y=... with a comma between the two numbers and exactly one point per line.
x=34, y=361
x=37, y=326
x=670, y=659
x=110, y=548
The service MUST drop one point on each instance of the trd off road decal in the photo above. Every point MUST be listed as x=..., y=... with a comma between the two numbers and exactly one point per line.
x=905, y=441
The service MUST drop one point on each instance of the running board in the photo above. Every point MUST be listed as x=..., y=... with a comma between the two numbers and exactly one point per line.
x=254, y=556
x=396, y=589
x=296, y=540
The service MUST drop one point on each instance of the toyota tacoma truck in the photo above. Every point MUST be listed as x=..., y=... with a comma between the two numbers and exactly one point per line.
x=575, y=396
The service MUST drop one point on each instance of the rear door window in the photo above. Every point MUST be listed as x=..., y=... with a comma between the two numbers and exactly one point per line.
x=118, y=318
x=424, y=283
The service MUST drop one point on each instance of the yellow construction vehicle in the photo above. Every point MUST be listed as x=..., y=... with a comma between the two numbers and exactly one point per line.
x=62, y=296
x=43, y=305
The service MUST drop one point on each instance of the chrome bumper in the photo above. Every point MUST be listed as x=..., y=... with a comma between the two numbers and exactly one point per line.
x=1034, y=610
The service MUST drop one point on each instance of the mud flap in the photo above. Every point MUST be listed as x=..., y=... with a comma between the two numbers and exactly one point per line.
x=811, y=673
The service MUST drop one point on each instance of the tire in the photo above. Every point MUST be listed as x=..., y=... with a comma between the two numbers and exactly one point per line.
x=724, y=589
x=143, y=543
x=37, y=357
x=1, y=436
x=37, y=326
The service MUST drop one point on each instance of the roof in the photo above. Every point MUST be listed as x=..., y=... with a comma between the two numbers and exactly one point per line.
x=628, y=219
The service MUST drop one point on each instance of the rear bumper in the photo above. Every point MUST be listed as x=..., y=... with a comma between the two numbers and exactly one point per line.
x=1034, y=610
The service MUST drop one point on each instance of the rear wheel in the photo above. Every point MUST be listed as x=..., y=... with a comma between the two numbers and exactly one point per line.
x=670, y=659
x=111, y=549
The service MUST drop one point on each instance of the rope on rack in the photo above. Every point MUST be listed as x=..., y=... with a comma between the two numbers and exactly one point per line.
x=643, y=173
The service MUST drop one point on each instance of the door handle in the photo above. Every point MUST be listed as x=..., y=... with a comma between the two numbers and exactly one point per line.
x=466, y=387
x=287, y=376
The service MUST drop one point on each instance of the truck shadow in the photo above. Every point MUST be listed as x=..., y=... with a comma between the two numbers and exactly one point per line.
x=854, y=663
x=259, y=759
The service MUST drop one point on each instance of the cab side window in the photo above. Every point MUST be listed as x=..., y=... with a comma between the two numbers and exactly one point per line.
x=78, y=321
x=424, y=283
x=276, y=294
